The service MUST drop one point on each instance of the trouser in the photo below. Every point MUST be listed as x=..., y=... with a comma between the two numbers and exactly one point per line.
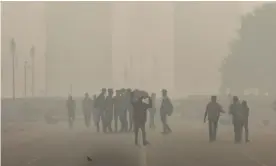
x=130, y=116
x=123, y=120
x=108, y=122
x=213, y=125
x=245, y=126
x=151, y=119
x=101, y=118
x=116, y=118
x=87, y=117
x=238, y=130
x=71, y=118
x=166, y=127
x=137, y=126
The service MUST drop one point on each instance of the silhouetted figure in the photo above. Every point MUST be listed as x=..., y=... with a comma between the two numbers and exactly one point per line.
x=87, y=107
x=123, y=111
x=238, y=118
x=117, y=109
x=129, y=109
x=245, y=110
x=109, y=103
x=166, y=109
x=100, y=106
x=71, y=107
x=213, y=111
x=140, y=108
x=95, y=112
x=152, y=111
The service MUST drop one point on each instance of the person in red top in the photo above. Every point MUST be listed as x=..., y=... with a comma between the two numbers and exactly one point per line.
x=213, y=111
x=140, y=107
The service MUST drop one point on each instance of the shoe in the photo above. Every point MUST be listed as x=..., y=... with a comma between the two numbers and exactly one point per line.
x=88, y=158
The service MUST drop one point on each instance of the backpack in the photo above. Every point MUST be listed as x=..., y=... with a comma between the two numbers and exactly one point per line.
x=238, y=112
x=169, y=107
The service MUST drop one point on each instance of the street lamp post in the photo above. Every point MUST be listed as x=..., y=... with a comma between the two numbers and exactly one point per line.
x=13, y=49
x=26, y=67
x=25, y=78
x=46, y=75
x=71, y=89
x=32, y=54
x=155, y=72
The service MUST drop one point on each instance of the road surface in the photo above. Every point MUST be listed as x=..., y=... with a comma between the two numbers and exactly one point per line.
x=56, y=145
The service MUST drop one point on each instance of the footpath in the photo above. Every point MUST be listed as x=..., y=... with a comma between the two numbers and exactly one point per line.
x=16, y=133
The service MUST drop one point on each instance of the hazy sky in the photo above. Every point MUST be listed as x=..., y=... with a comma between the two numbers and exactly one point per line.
x=26, y=22
x=144, y=39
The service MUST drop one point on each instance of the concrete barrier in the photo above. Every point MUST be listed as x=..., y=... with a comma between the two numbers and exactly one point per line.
x=34, y=109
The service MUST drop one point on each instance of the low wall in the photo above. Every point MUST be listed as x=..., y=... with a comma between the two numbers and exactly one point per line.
x=33, y=109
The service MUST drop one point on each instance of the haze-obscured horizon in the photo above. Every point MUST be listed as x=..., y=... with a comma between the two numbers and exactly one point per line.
x=119, y=45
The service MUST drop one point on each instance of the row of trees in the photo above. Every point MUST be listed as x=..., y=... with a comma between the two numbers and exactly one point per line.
x=26, y=65
x=251, y=61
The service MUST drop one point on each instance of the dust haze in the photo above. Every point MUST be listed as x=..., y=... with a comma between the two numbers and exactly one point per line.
x=193, y=50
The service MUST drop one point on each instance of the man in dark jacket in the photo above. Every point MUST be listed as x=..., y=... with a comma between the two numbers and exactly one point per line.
x=129, y=109
x=213, y=111
x=237, y=114
x=87, y=108
x=245, y=110
x=71, y=107
x=108, y=114
x=165, y=110
x=140, y=107
x=117, y=109
x=100, y=106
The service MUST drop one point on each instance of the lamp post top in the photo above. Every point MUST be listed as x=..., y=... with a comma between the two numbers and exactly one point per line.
x=32, y=51
x=13, y=44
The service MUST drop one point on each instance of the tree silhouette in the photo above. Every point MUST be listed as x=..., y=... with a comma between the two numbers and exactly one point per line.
x=252, y=57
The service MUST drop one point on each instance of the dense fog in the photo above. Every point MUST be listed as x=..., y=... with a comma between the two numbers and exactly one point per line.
x=77, y=78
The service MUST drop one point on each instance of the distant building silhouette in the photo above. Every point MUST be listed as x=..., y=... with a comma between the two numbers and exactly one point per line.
x=78, y=47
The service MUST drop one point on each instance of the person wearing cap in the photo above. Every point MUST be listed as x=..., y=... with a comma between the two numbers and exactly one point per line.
x=100, y=106
x=71, y=107
x=108, y=114
x=166, y=109
x=213, y=111
x=87, y=109
x=235, y=110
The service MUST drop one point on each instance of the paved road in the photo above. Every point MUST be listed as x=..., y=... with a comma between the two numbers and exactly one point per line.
x=58, y=146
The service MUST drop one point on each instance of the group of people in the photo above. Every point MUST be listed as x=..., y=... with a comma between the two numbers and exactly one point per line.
x=239, y=112
x=129, y=107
